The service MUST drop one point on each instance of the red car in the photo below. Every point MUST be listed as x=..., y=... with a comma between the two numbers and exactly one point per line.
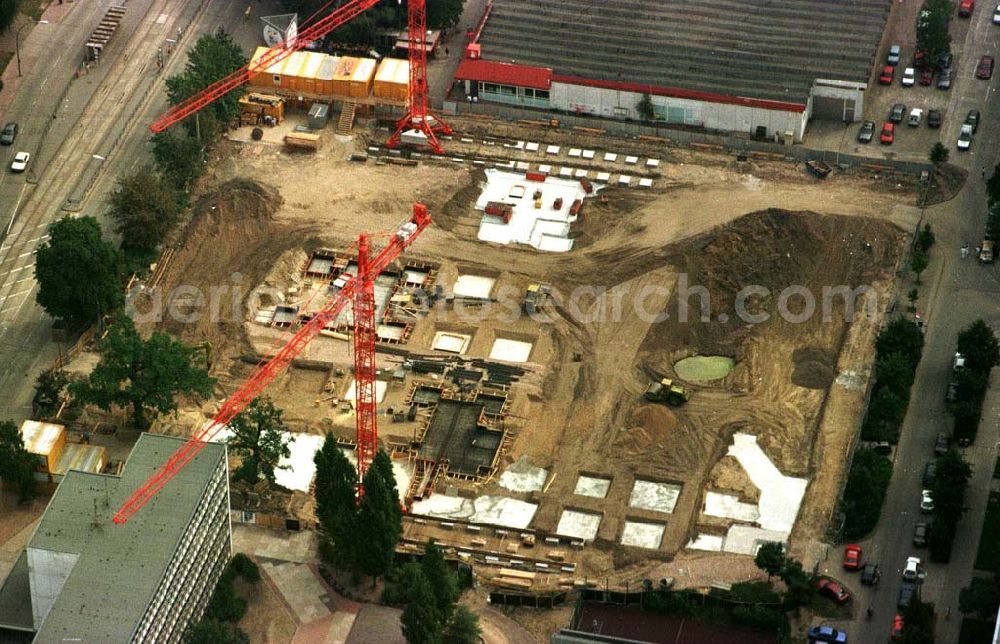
x=984, y=69
x=965, y=8
x=897, y=628
x=833, y=590
x=888, y=134
x=887, y=73
x=926, y=76
x=852, y=557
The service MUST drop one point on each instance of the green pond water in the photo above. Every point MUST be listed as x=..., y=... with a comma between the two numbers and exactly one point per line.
x=704, y=368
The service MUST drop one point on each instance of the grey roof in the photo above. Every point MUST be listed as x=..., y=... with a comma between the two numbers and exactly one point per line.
x=765, y=49
x=15, y=596
x=119, y=566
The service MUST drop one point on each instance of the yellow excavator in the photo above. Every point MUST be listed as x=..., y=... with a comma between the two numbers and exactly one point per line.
x=666, y=392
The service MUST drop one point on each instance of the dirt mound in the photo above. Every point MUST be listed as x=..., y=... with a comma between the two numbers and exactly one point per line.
x=728, y=476
x=648, y=426
x=814, y=369
x=461, y=204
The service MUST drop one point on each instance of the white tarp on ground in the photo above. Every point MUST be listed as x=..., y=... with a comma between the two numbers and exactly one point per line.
x=477, y=286
x=510, y=350
x=643, y=534
x=650, y=495
x=299, y=463
x=496, y=510
x=592, y=486
x=729, y=506
x=777, y=508
x=709, y=542
x=546, y=227
x=521, y=476
x=581, y=525
x=380, y=388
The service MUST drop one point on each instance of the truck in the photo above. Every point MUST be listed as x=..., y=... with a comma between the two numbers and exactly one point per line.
x=986, y=252
x=666, y=392
x=535, y=295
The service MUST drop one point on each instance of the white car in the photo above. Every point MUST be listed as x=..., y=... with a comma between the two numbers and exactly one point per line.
x=926, y=502
x=909, y=77
x=996, y=15
x=965, y=137
x=20, y=162
x=912, y=571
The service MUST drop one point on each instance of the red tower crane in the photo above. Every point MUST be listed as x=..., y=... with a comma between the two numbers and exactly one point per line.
x=360, y=290
x=418, y=118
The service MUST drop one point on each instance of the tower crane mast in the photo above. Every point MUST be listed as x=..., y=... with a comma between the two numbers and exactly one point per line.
x=360, y=290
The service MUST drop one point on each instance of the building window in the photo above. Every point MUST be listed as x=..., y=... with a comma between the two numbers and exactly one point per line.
x=621, y=112
x=507, y=90
x=277, y=79
x=490, y=88
x=542, y=94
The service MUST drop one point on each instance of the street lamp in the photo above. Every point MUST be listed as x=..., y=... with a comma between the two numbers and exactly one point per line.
x=17, y=41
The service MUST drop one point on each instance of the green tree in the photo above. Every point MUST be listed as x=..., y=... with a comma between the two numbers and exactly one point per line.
x=918, y=623
x=245, y=567
x=770, y=558
x=463, y=627
x=979, y=345
x=993, y=186
x=212, y=58
x=647, y=111
x=926, y=238
x=142, y=374
x=913, y=295
x=918, y=262
x=901, y=336
x=213, y=631
x=950, y=482
x=932, y=28
x=336, y=503
x=993, y=222
x=261, y=440
x=798, y=584
x=939, y=154
x=8, y=11
x=444, y=14
x=981, y=598
x=441, y=578
x=865, y=492
x=17, y=465
x=79, y=274
x=885, y=414
x=48, y=392
x=181, y=158
x=144, y=209
x=380, y=518
x=420, y=619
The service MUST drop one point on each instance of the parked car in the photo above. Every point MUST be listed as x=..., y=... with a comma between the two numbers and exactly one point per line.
x=882, y=448
x=8, y=134
x=965, y=137
x=895, y=50
x=825, y=633
x=926, y=76
x=986, y=255
x=972, y=118
x=926, y=501
x=941, y=444
x=897, y=113
x=888, y=134
x=952, y=394
x=888, y=72
x=909, y=77
x=916, y=115
x=957, y=362
x=870, y=574
x=996, y=15
x=944, y=79
x=965, y=8
x=944, y=60
x=897, y=628
x=832, y=590
x=930, y=473
x=852, y=557
x=984, y=69
x=919, y=59
x=867, y=132
x=20, y=162
x=934, y=119
x=906, y=592
x=920, y=535
x=912, y=571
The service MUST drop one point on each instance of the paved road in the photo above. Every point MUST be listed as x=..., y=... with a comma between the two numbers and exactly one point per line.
x=959, y=292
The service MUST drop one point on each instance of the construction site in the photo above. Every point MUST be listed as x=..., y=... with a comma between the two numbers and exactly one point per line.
x=546, y=327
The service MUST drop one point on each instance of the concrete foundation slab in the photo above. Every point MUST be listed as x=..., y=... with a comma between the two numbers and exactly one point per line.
x=630, y=160
x=552, y=149
x=588, y=154
x=473, y=286
x=642, y=534
x=380, y=388
x=531, y=147
x=523, y=477
x=652, y=163
x=496, y=510
x=451, y=342
x=707, y=542
x=730, y=507
x=580, y=525
x=592, y=486
x=510, y=350
x=650, y=495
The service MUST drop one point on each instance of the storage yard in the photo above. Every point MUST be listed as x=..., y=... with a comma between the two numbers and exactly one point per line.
x=524, y=441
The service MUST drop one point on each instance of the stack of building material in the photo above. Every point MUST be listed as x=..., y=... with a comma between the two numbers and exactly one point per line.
x=392, y=80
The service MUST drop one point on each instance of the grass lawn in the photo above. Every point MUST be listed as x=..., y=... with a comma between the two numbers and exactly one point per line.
x=988, y=556
x=5, y=57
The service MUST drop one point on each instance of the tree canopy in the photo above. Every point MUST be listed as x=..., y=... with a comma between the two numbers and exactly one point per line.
x=142, y=374
x=770, y=557
x=981, y=598
x=901, y=336
x=950, y=482
x=979, y=345
x=212, y=58
x=180, y=157
x=17, y=465
x=79, y=274
x=336, y=507
x=421, y=620
x=387, y=15
x=463, y=627
x=932, y=28
x=144, y=209
x=261, y=440
x=379, y=522
x=918, y=623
